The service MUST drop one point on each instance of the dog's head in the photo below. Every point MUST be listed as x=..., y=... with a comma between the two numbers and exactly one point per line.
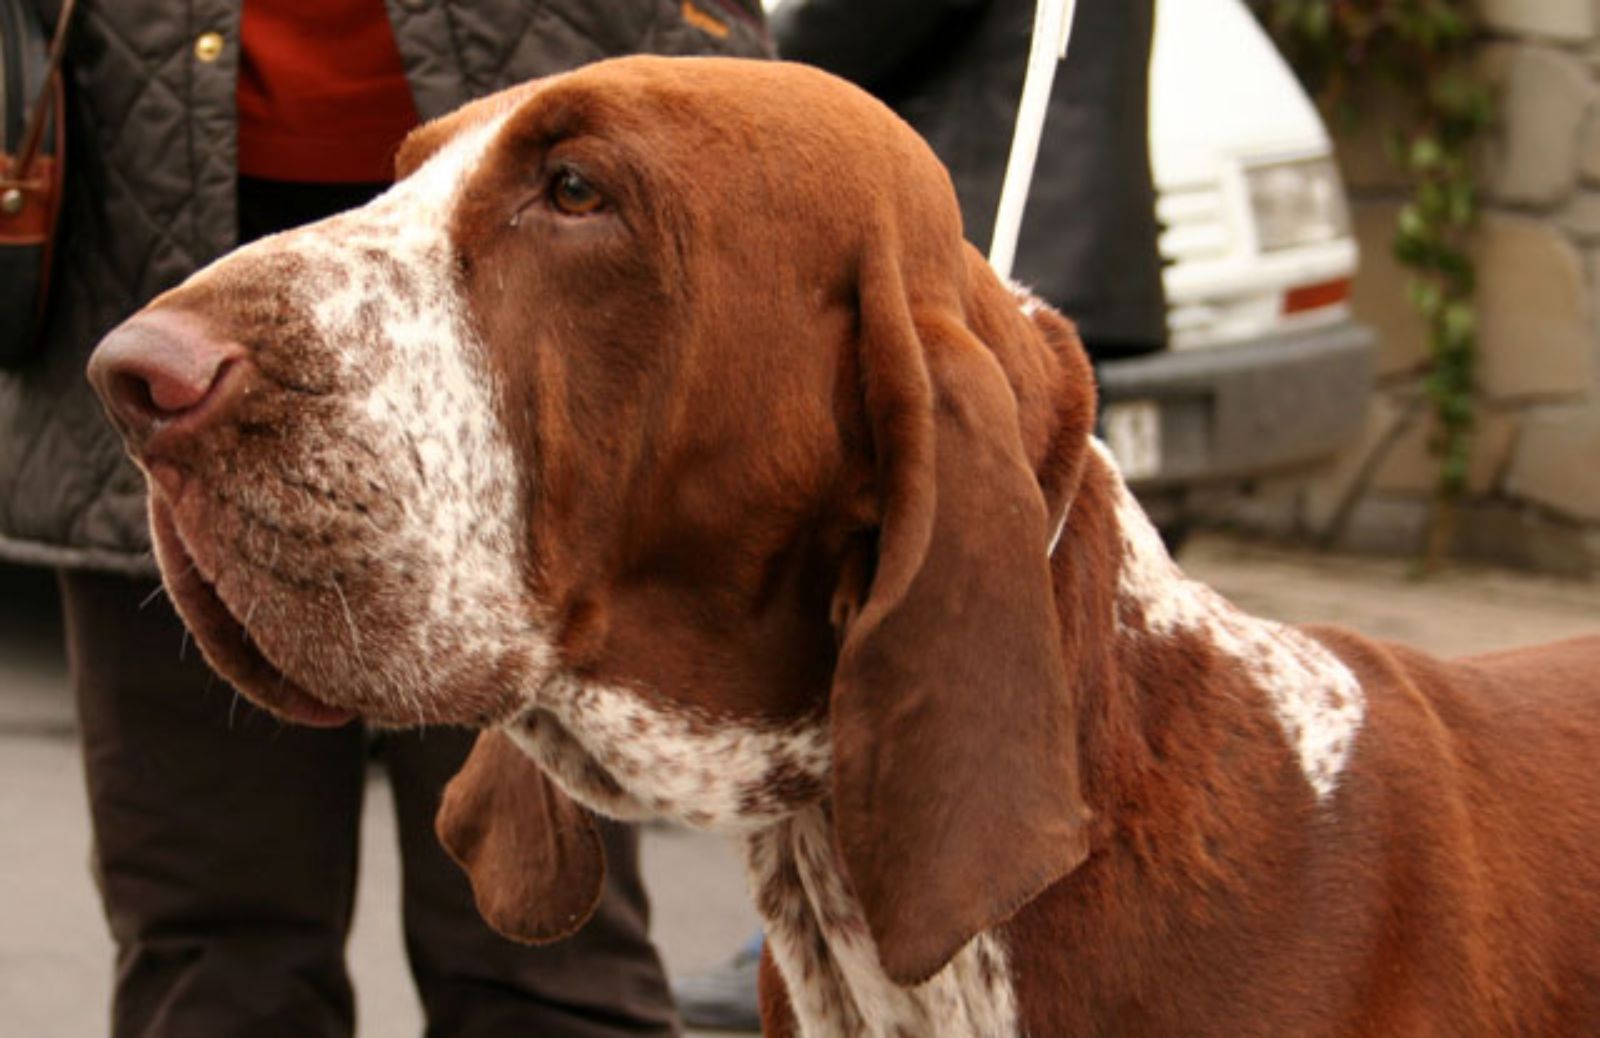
x=659, y=420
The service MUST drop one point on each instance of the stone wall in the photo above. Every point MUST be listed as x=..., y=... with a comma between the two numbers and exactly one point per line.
x=1535, y=475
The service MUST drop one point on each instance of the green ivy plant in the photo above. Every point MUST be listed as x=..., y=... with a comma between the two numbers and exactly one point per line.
x=1421, y=52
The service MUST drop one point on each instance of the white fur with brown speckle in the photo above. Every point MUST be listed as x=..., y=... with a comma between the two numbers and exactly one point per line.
x=1319, y=704
x=820, y=942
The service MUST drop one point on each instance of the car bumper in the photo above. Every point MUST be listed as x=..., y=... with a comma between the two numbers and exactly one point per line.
x=1239, y=411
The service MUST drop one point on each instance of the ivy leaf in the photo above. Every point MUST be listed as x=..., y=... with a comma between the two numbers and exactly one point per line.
x=1427, y=154
x=1458, y=325
x=1427, y=297
x=1423, y=51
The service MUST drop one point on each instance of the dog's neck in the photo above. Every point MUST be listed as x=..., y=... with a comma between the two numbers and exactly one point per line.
x=818, y=938
x=1158, y=652
x=1156, y=659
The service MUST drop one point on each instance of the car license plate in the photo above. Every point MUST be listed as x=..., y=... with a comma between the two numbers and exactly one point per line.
x=1133, y=432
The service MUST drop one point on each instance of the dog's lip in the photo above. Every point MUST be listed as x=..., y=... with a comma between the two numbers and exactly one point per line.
x=225, y=640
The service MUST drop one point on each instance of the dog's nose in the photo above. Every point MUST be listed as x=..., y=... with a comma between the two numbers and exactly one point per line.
x=158, y=367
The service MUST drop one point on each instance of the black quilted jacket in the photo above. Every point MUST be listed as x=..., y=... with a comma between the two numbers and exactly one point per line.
x=151, y=199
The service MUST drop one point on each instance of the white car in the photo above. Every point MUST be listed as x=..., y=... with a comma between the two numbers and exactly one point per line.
x=1266, y=370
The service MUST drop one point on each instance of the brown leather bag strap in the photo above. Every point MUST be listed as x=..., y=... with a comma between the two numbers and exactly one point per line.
x=33, y=133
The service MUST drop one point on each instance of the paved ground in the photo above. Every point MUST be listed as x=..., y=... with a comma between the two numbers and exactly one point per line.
x=54, y=956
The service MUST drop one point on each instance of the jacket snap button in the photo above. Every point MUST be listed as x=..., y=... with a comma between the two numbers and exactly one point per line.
x=208, y=46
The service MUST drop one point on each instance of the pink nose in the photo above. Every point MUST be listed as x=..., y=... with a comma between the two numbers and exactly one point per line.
x=158, y=367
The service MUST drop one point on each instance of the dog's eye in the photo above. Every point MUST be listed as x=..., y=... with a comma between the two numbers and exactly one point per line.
x=573, y=195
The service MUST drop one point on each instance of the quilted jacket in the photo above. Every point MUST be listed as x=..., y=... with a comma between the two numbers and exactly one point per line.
x=151, y=198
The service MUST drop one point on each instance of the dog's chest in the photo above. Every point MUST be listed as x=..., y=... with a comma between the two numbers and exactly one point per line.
x=819, y=940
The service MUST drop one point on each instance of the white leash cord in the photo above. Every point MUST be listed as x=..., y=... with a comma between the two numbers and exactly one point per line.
x=1052, y=31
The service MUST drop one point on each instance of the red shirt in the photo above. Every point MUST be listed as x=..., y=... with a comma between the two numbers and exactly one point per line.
x=322, y=95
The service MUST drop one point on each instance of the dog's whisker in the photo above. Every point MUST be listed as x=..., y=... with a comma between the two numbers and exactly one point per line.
x=350, y=622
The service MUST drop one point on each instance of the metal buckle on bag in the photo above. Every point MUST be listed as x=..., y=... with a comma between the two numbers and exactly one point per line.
x=15, y=191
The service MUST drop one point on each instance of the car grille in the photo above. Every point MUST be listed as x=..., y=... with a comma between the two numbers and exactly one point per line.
x=1194, y=225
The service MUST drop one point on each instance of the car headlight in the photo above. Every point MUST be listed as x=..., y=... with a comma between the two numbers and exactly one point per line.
x=1297, y=203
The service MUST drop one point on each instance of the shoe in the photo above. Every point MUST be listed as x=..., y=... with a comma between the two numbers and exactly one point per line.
x=723, y=999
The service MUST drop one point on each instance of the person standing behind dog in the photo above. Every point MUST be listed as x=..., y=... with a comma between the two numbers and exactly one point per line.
x=953, y=69
x=225, y=842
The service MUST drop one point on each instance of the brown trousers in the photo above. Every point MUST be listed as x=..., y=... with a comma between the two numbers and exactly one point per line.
x=225, y=852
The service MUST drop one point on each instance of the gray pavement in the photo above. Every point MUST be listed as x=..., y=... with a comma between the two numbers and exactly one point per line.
x=55, y=971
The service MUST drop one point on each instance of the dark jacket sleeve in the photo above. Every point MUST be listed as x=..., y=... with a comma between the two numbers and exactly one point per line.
x=865, y=41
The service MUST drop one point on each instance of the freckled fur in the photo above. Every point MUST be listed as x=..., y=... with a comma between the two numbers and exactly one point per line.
x=816, y=934
x=631, y=758
x=394, y=479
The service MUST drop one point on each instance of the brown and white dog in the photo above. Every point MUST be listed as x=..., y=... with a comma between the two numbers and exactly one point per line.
x=659, y=423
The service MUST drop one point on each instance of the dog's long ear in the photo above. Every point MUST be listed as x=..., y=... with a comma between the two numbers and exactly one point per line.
x=534, y=857
x=956, y=784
